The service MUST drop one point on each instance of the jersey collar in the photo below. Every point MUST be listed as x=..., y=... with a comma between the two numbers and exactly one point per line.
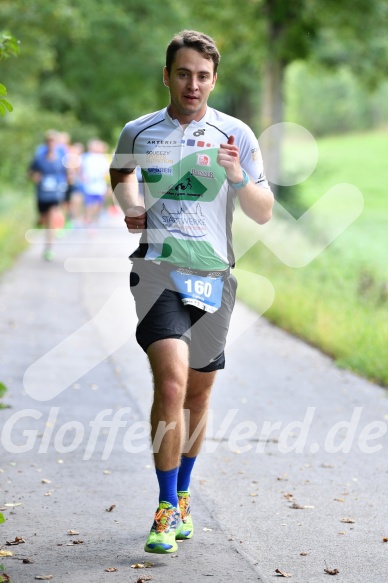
x=192, y=124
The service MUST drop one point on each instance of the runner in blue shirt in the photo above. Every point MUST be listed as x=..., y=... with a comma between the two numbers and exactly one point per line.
x=50, y=176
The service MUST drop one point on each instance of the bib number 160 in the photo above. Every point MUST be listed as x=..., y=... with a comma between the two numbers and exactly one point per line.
x=201, y=288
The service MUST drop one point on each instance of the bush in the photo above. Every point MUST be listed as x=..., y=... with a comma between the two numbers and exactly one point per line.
x=332, y=102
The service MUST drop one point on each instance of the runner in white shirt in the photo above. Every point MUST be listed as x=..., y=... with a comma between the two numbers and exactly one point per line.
x=195, y=161
x=94, y=172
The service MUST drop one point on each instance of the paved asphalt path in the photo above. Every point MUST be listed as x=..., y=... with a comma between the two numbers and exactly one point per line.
x=292, y=477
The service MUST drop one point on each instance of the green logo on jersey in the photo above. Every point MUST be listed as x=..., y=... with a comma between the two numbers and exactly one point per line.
x=187, y=187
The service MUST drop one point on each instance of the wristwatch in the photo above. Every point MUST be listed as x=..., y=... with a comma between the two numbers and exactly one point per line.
x=244, y=181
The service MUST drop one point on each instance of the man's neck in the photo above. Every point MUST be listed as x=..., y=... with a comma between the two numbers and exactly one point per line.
x=184, y=120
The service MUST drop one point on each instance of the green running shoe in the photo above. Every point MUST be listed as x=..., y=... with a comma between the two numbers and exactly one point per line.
x=167, y=523
x=187, y=528
x=48, y=254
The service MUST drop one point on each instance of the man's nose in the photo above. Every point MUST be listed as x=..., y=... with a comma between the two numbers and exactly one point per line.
x=193, y=83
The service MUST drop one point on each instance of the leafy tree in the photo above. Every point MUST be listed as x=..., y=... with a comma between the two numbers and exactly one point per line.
x=98, y=62
x=332, y=33
x=8, y=46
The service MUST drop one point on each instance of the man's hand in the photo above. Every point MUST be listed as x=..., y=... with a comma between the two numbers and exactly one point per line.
x=135, y=219
x=228, y=158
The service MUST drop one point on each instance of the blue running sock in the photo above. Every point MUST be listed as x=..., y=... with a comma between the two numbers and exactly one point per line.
x=168, y=486
x=187, y=464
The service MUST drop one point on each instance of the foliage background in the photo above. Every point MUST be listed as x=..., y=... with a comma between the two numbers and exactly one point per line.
x=89, y=66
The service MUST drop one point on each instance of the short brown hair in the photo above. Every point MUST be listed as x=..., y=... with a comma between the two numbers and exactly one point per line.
x=191, y=39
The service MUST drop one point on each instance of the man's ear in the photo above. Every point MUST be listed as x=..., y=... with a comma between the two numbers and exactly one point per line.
x=166, y=80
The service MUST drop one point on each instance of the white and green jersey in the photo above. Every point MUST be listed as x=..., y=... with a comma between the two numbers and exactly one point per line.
x=188, y=200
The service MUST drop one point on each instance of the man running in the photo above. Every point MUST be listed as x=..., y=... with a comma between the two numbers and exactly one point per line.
x=195, y=161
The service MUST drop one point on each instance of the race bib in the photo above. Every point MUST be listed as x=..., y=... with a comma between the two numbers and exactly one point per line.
x=49, y=183
x=204, y=292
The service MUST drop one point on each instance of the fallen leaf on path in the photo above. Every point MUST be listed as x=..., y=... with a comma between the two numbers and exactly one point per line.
x=253, y=494
x=142, y=565
x=18, y=541
x=144, y=578
x=13, y=504
x=44, y=577
x=347, y=520
x=331, y=571
x=75, y=542
x=111, y=569
x=288, y=496
x=300, y=507
x=303, y=554
x=327, y=466
x=5, y=578
x=6, y=553
x=72, y=532
x=339, y=499
x=27, y=561
x=385, y=539
x=112, y=507
x=282, y=573
x=342, y=532
x=207, y=529
x=44, y=481
x=106, y=472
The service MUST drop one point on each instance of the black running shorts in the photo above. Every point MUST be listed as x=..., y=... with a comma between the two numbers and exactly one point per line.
x=45, y=206
x=162, y=314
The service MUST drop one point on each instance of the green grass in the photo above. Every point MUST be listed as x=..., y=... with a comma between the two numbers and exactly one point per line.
x=17, y=214
x=339, y=302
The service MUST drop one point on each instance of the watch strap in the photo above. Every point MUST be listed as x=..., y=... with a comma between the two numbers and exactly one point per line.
x=243, y=183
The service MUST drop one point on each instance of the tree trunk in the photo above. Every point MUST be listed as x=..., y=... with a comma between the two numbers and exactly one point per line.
x=273, y=99
x=240, y=106
x=272, y=117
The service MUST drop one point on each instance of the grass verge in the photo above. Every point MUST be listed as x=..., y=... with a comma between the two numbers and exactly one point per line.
x=17, y=214
x=339, y=301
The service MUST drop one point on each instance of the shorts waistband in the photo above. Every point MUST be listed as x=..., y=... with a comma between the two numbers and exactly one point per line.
x=168, y=267
x=217, y=273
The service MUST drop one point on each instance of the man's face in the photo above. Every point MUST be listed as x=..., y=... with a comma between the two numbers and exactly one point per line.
x=190, y=82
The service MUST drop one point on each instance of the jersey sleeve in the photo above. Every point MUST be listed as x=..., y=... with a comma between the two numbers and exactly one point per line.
x=123, y=158
x=251, y=158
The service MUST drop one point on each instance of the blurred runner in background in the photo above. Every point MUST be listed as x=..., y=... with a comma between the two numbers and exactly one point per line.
x=72, y=161
x=95, y=175
x=50, y=176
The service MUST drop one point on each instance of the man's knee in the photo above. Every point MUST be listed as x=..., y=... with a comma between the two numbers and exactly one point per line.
x=170, y=392
x=197, y=403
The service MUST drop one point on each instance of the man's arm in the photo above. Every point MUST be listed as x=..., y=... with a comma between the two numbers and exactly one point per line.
x=35, y=176
x=126, y=190
x=256, y=201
